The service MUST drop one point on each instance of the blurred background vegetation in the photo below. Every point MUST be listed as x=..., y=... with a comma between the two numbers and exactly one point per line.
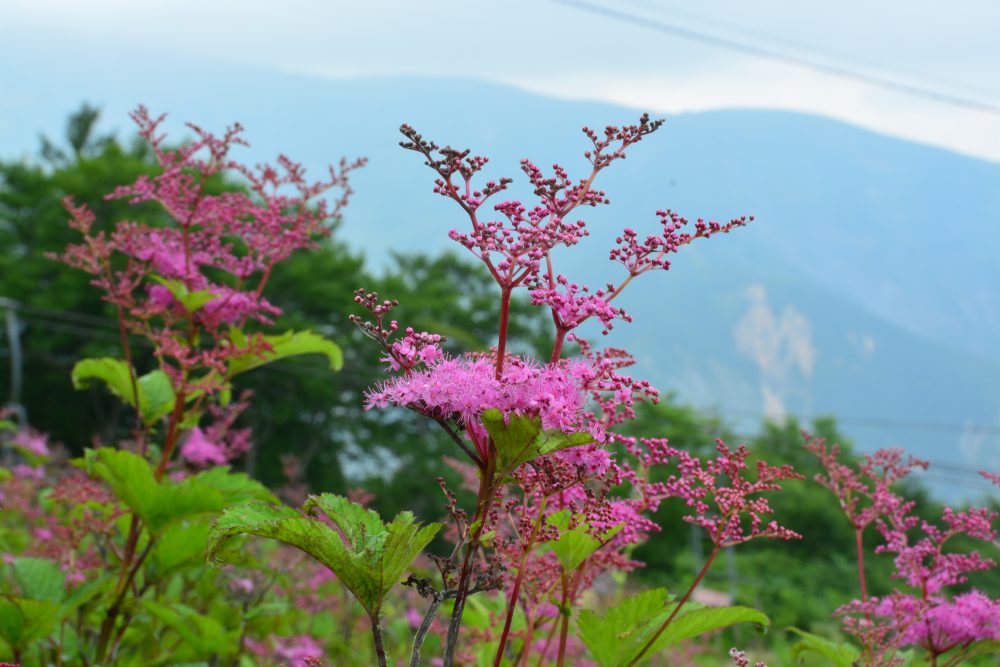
x=301, y=409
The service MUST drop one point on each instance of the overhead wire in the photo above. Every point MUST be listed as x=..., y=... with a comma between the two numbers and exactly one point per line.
x=755, y=50
x=88, y=326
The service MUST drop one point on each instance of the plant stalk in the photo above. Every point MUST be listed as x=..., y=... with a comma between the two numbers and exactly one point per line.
x=687, y=594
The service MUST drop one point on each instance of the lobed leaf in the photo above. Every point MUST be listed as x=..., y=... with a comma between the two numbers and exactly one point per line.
x=368, y=556
x=519, y=439
x=616, y=636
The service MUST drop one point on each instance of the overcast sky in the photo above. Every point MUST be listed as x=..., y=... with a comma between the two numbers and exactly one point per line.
x=564, y=51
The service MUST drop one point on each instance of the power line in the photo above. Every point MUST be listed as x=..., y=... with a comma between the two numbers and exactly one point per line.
x=942, y=473
x=881, y=422
x=747, y=48
x=83, y=325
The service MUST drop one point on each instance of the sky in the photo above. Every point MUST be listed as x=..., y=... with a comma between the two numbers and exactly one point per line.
x=586, y=49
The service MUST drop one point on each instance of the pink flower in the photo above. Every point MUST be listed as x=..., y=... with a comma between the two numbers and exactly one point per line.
x=297, y=649
x=465, y=387
x=31, y=442
x=200, y=451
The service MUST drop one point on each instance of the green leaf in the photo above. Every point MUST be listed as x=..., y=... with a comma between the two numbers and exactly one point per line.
x=370, y=557
x=24, y=621
x=520, y=439
x=235, y=487
x=616, y=636
x=160, y=504
x=840, y=654
x=574, y=546
x=706, y=619
x=288, y=344
x=192, y=301
x=981, y=648
x=87, y=591
x=156, y=396
x=182, y=543
x=7, y=425
x=206, y=636
x=39, y=579
x=112, y=372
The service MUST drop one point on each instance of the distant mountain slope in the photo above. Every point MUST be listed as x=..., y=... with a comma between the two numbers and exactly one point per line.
x=866, y=288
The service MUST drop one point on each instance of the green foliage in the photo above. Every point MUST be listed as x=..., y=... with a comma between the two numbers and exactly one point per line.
x=23, y=621
x=204, y=637
x=618, y=635
x=156, y=394
x=159, y=504
x=191, y=301
x=838, y=654
x=701, y=621
x=521, y=439
x=574, y=545
x=288, y=344
x=370, y=558
x=39, y=579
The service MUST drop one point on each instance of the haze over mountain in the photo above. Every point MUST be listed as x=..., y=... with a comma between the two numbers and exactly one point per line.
x=866, y=288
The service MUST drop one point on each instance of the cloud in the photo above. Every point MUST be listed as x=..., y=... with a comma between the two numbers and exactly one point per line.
x=781, y=347
x=556, y=50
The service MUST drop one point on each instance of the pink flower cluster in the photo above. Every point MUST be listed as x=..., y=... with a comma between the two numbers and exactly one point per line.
x=738, y=514
x=206, y=269
x=922, y=614
x=220, y=442
x=462, y=388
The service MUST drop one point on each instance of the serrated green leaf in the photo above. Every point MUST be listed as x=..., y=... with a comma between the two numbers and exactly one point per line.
x=39, y=579
x=160, y=504
x=840, y=654
x=616, y=636
x=699, y=621
x=369, y=557
x=156, y=396
x=520, y=439
x=288, y=344
x=235, y=487
x=573, y=547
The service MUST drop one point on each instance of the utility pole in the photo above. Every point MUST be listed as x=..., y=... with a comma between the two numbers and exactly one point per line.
x=16, y=360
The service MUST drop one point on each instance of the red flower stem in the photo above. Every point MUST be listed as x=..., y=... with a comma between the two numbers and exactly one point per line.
x=858, y=543
x=377, y=639
x=522, y=657
x=564, y=613
x=557, y=346
x=548, y=643
x=516, y=590
x=486, y=491
x=504, y=318
x=173, y=433
x=687, y=594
